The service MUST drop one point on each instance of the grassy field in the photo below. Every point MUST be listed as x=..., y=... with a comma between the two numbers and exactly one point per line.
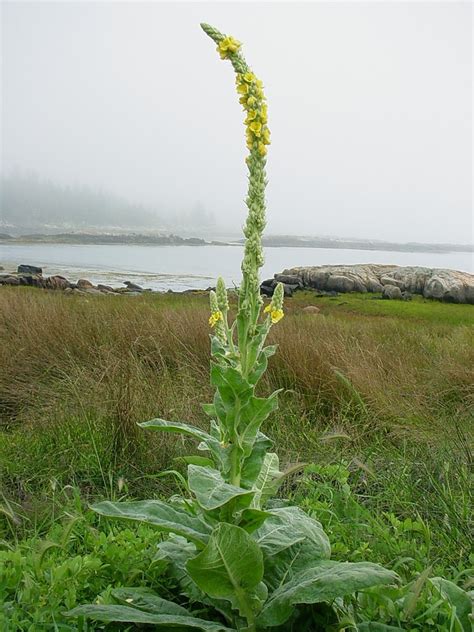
x=377, y=395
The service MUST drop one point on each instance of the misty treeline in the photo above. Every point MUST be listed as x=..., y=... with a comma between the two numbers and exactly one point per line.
x=30, y=202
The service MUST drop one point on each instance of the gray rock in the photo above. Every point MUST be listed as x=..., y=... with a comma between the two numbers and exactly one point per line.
x=107, y=289
x=288, y=279
x=391, y=292
x=83, y=284
x=133, y=286
x=26, y=269
x=9, y=280
x=266, y=290
x=56, y=282
x=340, y=283
x=311, y=309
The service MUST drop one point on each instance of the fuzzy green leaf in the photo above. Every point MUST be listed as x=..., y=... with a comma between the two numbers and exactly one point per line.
x=165, y=517
x=252, y=415
x=231, y=385
x=126, y=614
x=458, y=599
x=288, y=526
x=251, y=519
x=253, y=463
x=203, y=461
x=230, y=567
x=176, y=427
x=147, y=600
x=212, y=491
x=266, y=484
x=323, y=582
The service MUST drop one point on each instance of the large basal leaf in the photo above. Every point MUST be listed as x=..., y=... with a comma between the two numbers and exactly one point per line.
x=126, y=614
x=159, y=514
x=266, y=483
x=323, y=582
x=230, y=567
x=175, y=427
x=177, y=551
x=458, y=599
x=288, y=526
x=212, y=491
x=147, y=600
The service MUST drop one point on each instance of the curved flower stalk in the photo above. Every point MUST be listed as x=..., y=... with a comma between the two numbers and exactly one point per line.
x=242, y=561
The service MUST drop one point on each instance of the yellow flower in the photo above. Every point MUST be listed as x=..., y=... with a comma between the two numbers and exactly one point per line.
x=243, y=88
x=251, y=101
x=256, y=128
x=264, y=113
x=262, y=150
x=214, y=318
x=266, y=136
x=252, y=114
x=275, y=314
x=249, y=77
x=227, y=46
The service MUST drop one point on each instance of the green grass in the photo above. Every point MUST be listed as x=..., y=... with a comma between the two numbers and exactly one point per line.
x=377, y=394
x=418, y=309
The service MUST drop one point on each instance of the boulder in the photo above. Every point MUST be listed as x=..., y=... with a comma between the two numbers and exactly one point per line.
x=266, y=290
x=105, y=288
x=288, y=279
x=340, y=283
x=9, y=280
x=33, y=280
x=57, y=282
x=311, y=309
x=133, y=286
x=26, y=269
x=82, y=284
x=391, y=292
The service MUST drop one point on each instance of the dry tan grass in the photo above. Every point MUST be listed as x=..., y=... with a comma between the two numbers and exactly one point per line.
x=123, y=360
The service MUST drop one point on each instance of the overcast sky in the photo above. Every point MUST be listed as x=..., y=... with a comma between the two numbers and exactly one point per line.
x=369, y=106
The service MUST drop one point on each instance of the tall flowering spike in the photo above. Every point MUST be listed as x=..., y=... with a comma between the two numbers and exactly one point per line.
x=252, y=98
x=221, y=293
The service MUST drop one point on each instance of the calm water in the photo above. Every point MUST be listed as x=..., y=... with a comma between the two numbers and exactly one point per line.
x=182, y=267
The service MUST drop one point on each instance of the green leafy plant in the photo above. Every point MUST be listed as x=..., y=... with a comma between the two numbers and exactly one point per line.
x=242, y=560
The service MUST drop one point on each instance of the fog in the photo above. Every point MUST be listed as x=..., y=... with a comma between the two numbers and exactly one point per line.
x=369, y=106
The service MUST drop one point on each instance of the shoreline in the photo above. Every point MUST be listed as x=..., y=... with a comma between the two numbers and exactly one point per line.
x=85, y=239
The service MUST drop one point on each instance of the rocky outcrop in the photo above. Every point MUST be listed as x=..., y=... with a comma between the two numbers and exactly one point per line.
x=445, y=285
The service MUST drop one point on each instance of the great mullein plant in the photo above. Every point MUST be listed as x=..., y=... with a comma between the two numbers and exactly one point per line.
x=241, y=560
